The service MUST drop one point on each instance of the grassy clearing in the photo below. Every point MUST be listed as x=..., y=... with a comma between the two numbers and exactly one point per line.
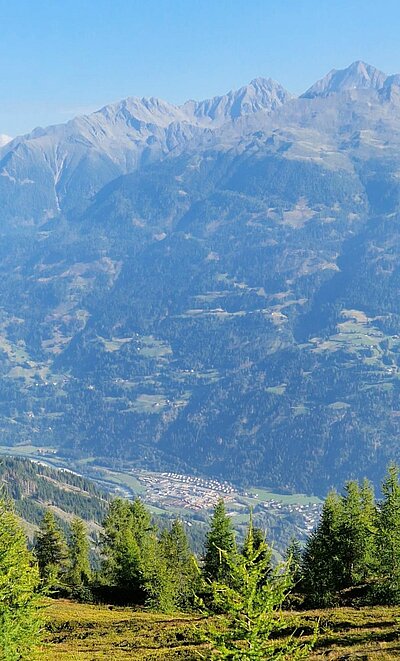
x=289, y=499
x=115, y=343
x=212, y=296
x=300, y=409
x=148, y=345
x=88, y=633
x=148, y=404
x=277, y=390
x=29, y=451
x=153, y=348
x=357, y=334
x=123, y=479
x=337, y=406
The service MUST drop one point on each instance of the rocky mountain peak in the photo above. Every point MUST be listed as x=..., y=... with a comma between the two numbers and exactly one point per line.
x=260, y=94
x=148, y=110
x=359, y=75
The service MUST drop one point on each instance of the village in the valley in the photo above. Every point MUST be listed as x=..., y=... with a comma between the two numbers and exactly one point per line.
x=178, y=491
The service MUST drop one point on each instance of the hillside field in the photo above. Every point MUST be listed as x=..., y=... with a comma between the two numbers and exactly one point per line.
x=90, y=633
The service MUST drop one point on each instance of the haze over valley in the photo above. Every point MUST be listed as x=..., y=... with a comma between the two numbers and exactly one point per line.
x=210, y=288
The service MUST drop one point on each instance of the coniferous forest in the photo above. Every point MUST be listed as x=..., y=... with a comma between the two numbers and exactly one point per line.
x=242, y=595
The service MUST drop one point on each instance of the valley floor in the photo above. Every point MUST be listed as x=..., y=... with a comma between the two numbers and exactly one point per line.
x=90, y=633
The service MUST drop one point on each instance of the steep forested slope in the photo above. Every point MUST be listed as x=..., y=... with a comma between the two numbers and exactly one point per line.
x=34, y=487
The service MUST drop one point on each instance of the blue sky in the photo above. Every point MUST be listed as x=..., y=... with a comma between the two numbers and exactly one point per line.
x=59, y=58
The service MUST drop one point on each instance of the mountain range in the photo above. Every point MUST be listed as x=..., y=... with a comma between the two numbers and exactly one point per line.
x=211, y=286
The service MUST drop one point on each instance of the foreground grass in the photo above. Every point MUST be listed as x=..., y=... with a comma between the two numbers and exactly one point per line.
x=90, y=633
x=86, y=632
x=355, y=633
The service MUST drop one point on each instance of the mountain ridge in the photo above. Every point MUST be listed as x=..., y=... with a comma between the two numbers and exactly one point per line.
x=74, y=160
x=67, y=164
x=359, y=75
x=221, y=299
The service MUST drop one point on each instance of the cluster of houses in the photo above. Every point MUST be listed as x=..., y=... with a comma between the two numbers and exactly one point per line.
x=176, y=490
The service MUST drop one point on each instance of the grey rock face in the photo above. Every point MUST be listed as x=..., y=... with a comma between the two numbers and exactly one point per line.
x=358, y=75
x=261, y=94
x=69, y=163
x=59, y=169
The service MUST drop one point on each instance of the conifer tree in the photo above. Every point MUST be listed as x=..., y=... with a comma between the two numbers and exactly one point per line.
x=355, y=534
x=220, y=537
x=51, y=553
x=181, y=565
x=79, y=571
x=133, y=556
x=294, y=558
x=119, y=549
x=370, y=514
x=157, y=580
x=255, y=541
x=253, y=609
x=321, y=566
x=20, y=621
x=388, y=538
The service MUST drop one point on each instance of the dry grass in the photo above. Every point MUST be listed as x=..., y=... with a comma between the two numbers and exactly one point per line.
x=90, y=633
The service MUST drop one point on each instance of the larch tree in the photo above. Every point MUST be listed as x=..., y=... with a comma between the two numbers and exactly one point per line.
x=255, y=541
x=20, y=621
x=388, y=538
x=252, y=608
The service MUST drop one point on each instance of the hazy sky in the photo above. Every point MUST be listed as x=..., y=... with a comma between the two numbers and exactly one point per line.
x=59, y=58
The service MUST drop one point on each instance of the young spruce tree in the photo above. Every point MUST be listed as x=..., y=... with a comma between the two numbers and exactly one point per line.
x=181, y=565
x=356, y=533
x=294, y=558
x=134, y=563
x=125, y=529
